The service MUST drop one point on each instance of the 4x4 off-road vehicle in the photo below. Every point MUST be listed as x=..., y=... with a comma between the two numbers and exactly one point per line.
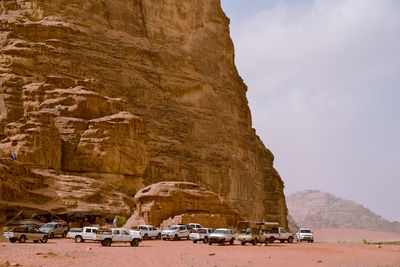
x=23, y=233
x=55, y=228
x=118, y=235
x=252, y=236
x=221, y=236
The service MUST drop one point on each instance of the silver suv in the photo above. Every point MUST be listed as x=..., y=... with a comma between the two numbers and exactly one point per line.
x=54, y=228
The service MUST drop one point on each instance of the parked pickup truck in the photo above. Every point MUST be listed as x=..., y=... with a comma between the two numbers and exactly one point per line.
x=175, y=232
x=278, y=233
x=55, y=228
x=220, y=236
x=148, y=232
x=113, y=235
x=252, y=236
x=201, y=234
x=82, y=234
x=23, y=233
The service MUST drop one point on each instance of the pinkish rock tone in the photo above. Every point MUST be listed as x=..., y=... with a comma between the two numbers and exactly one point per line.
x=129, y=93
x=168, y=203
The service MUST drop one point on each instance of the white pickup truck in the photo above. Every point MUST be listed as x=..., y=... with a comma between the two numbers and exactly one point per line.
x=220, y=236
x=201, y=234
x=82, y=234
x=107, y=237
x=278, y=233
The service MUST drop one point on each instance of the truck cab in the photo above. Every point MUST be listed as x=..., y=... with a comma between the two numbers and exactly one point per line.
x=278, y=233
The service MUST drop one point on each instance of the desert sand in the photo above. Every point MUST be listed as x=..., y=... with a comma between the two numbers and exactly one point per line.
x=64, y=252
x=353, y=235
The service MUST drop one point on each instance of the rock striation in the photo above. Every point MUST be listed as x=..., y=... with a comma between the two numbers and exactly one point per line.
x=67, y=65
x=168, y=203
x=316, y=209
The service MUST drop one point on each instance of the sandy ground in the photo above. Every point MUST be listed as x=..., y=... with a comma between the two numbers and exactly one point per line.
x=353, y=235
x=64, y=252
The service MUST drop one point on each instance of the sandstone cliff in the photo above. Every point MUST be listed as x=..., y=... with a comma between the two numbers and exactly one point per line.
x=67, y=65
x=316, y=209
x=169, y=203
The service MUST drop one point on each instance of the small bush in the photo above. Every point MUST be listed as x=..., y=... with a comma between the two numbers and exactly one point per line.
x=121, y=221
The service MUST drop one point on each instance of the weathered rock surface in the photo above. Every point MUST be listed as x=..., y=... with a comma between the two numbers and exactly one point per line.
x=316, y=209
x=44, y=190
x=173, y=63
x=167, y=203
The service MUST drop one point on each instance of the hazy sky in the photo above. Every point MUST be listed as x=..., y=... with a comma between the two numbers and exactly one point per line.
x=324, y=91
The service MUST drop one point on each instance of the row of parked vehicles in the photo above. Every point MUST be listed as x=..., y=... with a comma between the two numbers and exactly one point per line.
x=193, y=231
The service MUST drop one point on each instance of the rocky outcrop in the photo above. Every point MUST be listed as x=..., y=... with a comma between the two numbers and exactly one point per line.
x=316, y=209
x=173, y=63
x=168, y=203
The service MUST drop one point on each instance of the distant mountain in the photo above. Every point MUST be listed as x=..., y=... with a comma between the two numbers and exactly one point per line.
x=316, y=209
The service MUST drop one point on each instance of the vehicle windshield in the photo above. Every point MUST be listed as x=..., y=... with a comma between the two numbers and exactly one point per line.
x=172, y=228
x=305, y=231
x=48, y=225
x=202, y=231
x=219, y=231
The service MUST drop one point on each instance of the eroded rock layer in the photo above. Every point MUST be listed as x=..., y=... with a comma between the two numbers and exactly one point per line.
x=168, y=203
x=173, y=63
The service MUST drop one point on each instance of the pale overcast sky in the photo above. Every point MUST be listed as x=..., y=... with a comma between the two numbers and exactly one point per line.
x=324, y=91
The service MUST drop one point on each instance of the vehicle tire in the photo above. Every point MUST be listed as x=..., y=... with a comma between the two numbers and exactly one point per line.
x=35, y=241
x=146, y=236
x=210, y=242
x=312, y=241
x=64, y=234
x=232, y=241
x=254, y=242
x=12, y=240
x=44, y=239
x=134, y=242
x=205, y=240
x=158, y=236
x=282, y=241
x=103, y=243
x=78, y=239
x=51, y=235
x=290, y=240
x=22, y=239
x=243, y=243
x=271, y=239
x=195, y=241
x=222, y=242
x=176, y=238
x=164, y=238
x=107, y=242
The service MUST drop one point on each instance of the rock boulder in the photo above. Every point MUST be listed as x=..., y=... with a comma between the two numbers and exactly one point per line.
x=167, y=203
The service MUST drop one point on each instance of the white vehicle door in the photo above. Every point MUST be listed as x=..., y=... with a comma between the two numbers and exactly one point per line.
x=116, y=235
x=88, y=233
x=125, y=236
x=283, y=234
x=181, y=231
x=147, y=231
x=152, y=232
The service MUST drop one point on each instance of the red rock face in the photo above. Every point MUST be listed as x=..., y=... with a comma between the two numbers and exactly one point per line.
x=173, y=64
